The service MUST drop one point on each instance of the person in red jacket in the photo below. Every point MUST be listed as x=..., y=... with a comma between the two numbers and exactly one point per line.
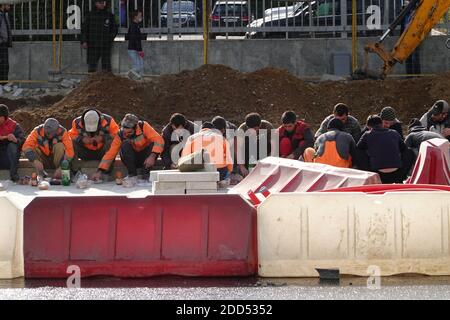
x=295, y=136
x=11, y=140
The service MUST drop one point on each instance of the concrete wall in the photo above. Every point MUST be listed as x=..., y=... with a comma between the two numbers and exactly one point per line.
x=305, y=57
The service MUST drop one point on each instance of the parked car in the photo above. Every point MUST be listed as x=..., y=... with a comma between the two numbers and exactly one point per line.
x=229, y=14
x=276, y=11
x=322, y=13
x=297, y=16
x=185, y=14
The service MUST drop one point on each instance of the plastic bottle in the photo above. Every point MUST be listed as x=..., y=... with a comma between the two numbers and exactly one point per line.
x=251, y=164
x=65, y=170
x=34, y=179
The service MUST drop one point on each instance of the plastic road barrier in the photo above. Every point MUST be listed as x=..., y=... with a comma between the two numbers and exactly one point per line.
x=392, y=233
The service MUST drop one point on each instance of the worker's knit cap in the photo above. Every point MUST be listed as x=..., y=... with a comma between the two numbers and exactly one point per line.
x=388, y=113
x=129, y=121
x=4, y=111
x=51, y=126
x=335, y=124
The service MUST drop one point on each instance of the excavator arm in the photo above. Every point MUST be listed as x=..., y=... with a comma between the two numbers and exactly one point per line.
x=426, y=14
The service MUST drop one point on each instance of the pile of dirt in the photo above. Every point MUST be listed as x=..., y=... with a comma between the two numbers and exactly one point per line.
x=218, y=90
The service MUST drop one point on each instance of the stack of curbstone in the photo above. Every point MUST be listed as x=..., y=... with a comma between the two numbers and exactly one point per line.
x=176, y=182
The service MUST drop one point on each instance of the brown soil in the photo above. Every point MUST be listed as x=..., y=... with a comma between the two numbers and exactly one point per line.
x=218, y=90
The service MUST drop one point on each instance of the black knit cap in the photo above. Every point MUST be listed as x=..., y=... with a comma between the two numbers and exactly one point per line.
x=388, y=113
x=4, y=111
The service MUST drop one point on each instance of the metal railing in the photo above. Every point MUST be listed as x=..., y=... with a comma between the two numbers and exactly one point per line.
x=252, y=18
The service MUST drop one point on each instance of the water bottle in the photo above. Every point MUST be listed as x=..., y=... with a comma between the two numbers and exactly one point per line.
x=65, y=170
x=251, y=164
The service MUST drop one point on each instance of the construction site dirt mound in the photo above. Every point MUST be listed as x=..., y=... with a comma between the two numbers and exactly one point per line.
x=218, y=90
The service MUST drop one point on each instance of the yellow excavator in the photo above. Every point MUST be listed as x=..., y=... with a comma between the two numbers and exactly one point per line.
x=425, y=15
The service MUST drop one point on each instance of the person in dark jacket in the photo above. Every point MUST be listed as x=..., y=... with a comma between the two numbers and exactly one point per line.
x=341, y=112
x=417, y=134
x=98, y=31
x=11, y=141
x=384, y=148
x=254, y=142
x=223, y=125
x=295, y=136
x=135, y=51
x=175, y=132
x=412, y=63
x=390, y=121
x=5, y=41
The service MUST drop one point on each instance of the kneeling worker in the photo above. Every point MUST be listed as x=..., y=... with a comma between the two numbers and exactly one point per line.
x=92, y=134
x=139, y=146
x=335, y=147
x=47, y=146
x=211, y=140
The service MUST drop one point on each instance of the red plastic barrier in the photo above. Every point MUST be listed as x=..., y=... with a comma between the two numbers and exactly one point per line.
x=196, y=235
x=433, y=163
x=383, y=188
x=284, y=175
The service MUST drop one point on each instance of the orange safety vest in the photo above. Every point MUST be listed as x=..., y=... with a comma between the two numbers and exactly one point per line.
x=206, y=139
x=108, y=126
x=38, y=139
x=331, y=156
x=143, y=137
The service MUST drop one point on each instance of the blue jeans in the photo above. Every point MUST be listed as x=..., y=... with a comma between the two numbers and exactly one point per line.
x=137, y=61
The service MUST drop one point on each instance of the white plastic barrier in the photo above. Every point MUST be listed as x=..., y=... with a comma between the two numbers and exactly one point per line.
x=11, y=239
x=358, y=233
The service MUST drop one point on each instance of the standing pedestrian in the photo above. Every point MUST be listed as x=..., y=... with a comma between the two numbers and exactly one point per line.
x=5, y=42
x=135, y=51
x=97, y=36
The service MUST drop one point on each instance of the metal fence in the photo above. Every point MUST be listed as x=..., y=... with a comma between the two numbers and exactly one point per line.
x=251, y=18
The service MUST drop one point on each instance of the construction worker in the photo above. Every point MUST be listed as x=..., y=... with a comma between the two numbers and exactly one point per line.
x=98, y=31
x=389, y=120
x=258, y=132
x=384, y=148
x=212, y=141
x=139, y=146
x=11, y=140
x=221, y=124
x=92, y=134
x=342, y=112
x=47, y=146
x=335, y=147
x=437, y=119
x=174, y=133
x=417, y=134
x=295, y=136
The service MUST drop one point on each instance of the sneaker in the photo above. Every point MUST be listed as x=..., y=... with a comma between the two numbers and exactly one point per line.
x=133, y=75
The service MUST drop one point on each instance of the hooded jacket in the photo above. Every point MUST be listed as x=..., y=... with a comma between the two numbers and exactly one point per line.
x=417, y=135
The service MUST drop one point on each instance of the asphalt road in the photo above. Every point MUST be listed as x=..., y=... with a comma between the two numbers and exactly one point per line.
x=174, y=288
